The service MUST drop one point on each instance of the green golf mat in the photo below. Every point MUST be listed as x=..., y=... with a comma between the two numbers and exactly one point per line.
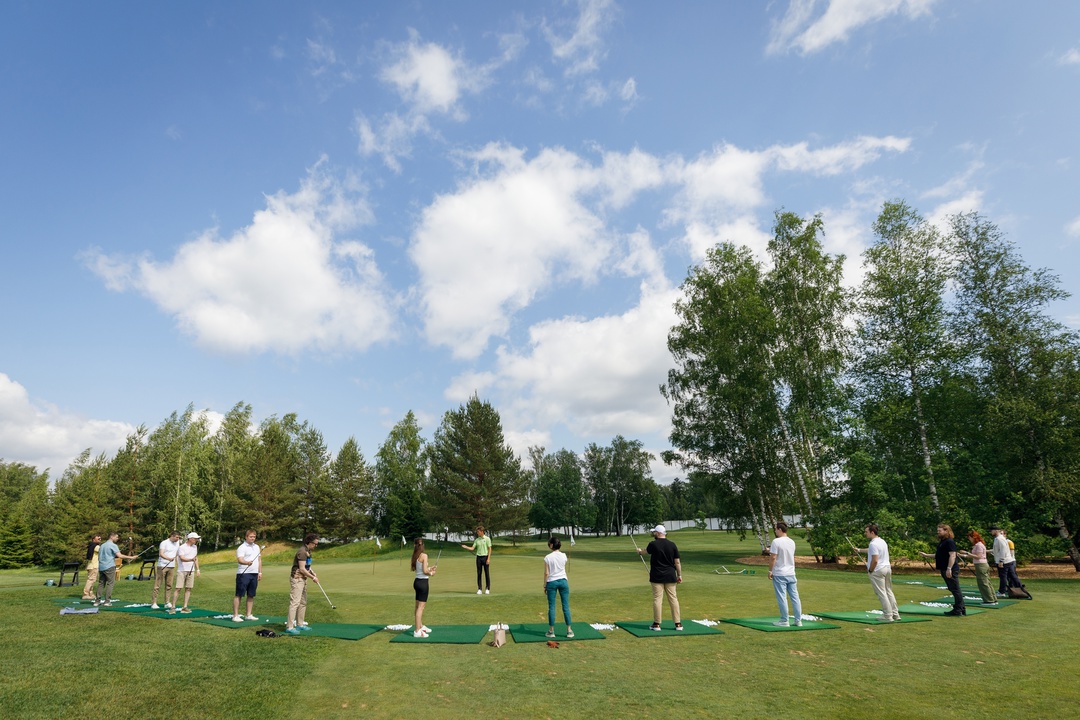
x=978, y=603
x=447, y=634
x=195, y=613
x=78, y=601
x=536, y=633
x=641, y=628
x=140, y=609
x=341, y=631
x=938, y=611
x=225, y=620
x=765, y=624
x=868, y=618
x=939, y=585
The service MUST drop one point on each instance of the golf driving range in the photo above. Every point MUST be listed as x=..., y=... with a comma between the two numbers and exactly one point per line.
x=115, y=664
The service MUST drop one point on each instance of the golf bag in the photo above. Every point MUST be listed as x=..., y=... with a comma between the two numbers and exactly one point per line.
x=1019, y=593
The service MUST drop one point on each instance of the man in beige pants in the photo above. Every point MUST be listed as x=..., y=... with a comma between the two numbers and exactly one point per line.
x=665, y=573
x=299, y=575
x=879, y=569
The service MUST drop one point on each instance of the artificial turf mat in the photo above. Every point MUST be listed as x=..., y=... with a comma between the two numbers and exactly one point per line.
x=921, y=609
x=640, y=628
x=977, y=602
x=868, y=617
x=140, y=609
x=447, y=634
x=535, y=633
x=765, y=624
x=225, y=620
x=195, y=613
x=341, y=631
x=938, y=585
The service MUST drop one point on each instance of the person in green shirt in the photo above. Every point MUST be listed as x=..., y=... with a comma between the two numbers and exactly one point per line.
x=482, y=547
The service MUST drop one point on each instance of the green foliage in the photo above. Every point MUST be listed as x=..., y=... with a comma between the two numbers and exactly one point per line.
x=16, y=543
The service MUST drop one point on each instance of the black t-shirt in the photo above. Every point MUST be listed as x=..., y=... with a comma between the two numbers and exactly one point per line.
x=941, y=557
x=662, y=556
x=91, y=548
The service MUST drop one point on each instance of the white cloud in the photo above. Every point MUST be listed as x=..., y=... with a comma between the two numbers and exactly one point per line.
x=392, y=139
x=583, y=49
x=804, y=29
x=1071, y=57
x=970, y=201
x=285, y=283
x=45, y=436
x=598, y=377
x=1073, y=228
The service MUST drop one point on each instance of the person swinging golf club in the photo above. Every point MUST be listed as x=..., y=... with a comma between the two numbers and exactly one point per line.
x=665, y=573
x=165, y=572
x=482, y=547
x=248, y=574
x=108, y=554
x=300, y=573
x=421, y=571
x=188, y=557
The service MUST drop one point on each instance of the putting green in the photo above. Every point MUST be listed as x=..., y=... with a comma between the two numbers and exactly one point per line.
x=765, y=624
x=977, y=602
x=868, y=618
x=642, y=628
x=528, y=633
x=921, y=609
x=447, y=634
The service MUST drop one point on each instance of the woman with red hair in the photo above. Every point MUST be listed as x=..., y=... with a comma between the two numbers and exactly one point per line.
x=982, y=567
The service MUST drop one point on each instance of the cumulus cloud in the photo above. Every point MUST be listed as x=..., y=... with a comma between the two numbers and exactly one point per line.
x=582, y=49
x=805, y=29
x=1073, y=228
x=430, y=80
x=286, y=282
x=45, y=436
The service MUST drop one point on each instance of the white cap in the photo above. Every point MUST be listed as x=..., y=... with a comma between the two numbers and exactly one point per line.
x=659, y=530
x=193, y=536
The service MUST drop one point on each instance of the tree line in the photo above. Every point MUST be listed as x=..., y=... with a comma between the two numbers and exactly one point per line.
x=280, y=479
x=938, y=390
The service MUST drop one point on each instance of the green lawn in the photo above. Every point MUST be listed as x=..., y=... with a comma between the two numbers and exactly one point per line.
x=1016, y=662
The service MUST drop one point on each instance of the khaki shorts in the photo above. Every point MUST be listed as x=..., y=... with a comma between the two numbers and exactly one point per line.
x=185, y=580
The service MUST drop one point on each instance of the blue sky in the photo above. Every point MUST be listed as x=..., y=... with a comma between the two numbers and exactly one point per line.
x=351, y=210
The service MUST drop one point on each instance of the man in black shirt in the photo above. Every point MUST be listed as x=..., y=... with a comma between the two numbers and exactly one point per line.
x=665, y=573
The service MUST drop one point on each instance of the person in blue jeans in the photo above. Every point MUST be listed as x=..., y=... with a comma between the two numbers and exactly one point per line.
x=555, y=581
x=782, y=574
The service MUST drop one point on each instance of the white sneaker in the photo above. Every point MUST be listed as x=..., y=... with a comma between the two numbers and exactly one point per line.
x=426, y=629
x=479, y=592
x=155, y=606
x=168, y=606
x=250, y=617
x=487, y=592
x=780, y=623
x=419, y=634
x=237, y=618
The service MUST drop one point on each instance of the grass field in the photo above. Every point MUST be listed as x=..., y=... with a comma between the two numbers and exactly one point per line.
x=1014, y=662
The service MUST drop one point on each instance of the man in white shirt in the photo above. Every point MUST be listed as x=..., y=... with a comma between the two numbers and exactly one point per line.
x=782, y=574
x=165, y=572
x=879, y=569
x=1005, y=561
x=188, y=556
x=248, y=574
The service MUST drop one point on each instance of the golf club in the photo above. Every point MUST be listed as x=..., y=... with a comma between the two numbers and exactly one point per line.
x=852, y=545
x=445, y=531
x=257, y=556
x=332, y=605
x=640, y=556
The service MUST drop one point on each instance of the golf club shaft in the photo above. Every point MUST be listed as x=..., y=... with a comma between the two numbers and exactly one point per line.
x=332, y=605
x=640, y=556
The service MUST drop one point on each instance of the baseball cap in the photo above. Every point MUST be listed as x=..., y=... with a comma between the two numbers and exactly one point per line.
x=659, y=529
x=193, y=536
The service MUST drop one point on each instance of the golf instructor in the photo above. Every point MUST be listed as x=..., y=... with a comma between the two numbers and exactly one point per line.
x=665, y=573
x=300, y=573
x=482, y=547
x=248, y=574
x=107, y=555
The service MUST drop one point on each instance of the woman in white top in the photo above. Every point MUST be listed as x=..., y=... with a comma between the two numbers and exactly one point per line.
x=555, y=581
x=422, y=571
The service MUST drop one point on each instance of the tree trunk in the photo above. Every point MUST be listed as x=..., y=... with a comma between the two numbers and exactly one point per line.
x=1063, y=531
x=925, y=444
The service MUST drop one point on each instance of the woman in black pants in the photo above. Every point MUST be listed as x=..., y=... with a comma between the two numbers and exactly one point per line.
x=949, y=567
